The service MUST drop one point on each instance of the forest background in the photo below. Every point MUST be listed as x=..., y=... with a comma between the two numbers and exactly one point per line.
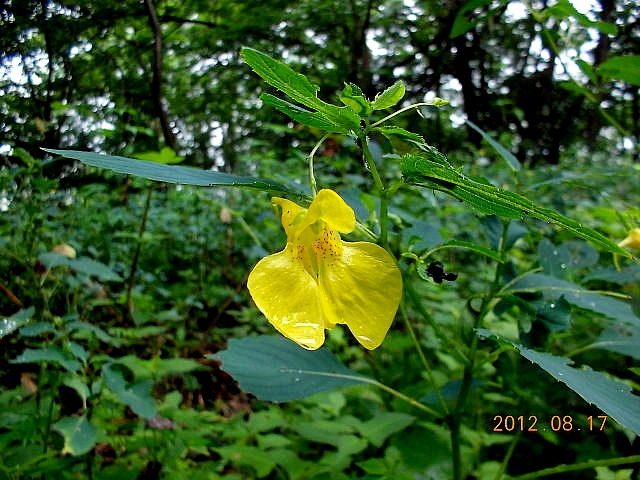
x=116, y=291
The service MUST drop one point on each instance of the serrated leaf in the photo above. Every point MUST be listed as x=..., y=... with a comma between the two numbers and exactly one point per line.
x=97, y=331
x=79, y=435
x=95, y=269
x=353, y=98
x=11, y=324
x=136, y=395
x=248, y=456
x=431, y=169
x=277, y=369
x=48, y=355
x=552, y=287
x=170, y=173
x=403, y=141
x=300, y=115
x=298, y=87
x=383, y=425
x=78, y=351
x=509, y=157
x=389, y=97
x=612, y=397
x=624, y=339
x=623, y=67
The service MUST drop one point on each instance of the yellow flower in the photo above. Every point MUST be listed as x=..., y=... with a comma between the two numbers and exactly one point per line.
x=319, y=280
x=633, y=240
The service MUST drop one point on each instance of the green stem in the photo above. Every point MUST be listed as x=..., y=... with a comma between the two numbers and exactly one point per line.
x=609, y=462
x=423, y=358
x=392, y=391
x=384, y=201
x=312, y=177
x=413, y=296
x=136, y=253
x=411, y=401
x=507, y=457
x=413, y=106
x=455, y=420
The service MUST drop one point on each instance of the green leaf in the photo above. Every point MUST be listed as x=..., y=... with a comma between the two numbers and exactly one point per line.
x=299, y=88
x=509, y=157
x=11, y=324
x=552, y=288
x=79, y=434
x=323, y=431
x=53, y=259
x=300, y=115
x=353, y=98
x=389, y=97
x=565, y=9
x=48, y=355
x=136, y=395
x=403, y=141
x=76, y=382
x=612, y=397
x=383, y=425
x=170, y=173
x=474, y=247
x=97, y=331
x=166, y=155
x=623, y=67
x=374, y=466
x=624, y=339
x=276, y=369
x=248, y=456
x=95, y=269
x=431, y=169
x=462, y=24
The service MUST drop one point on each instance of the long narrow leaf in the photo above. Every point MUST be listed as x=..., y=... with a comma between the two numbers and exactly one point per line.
x=436, y=173
x=612, y=397
x=299, y=88
x=170, y=173
x=509, y=157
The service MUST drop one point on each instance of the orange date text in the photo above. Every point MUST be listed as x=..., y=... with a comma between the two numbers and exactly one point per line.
x=555, y=423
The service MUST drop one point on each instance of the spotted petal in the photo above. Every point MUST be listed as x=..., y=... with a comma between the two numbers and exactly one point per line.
x=288, y=296
x=362, y=289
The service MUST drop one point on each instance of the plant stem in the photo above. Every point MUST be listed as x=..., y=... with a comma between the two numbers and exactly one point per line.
x=423, y=358
x=312, y=177
x=384, y=201
x=410, y=107
x=405, y=398
x=609, y=462
x=136, y=253
x=455, y=419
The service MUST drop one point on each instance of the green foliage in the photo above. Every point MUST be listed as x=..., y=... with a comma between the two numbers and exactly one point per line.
x=278, y=370
x=170, y=173
x=117, y=361
x=612, y=397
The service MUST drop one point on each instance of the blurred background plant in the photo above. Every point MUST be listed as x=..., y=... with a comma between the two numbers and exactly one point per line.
x=104, y=371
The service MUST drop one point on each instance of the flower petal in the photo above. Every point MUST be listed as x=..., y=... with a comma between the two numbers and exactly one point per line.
x=362, y=289
x=329, y=207
x=291, y=215
x=633, y=240
x=288, y=296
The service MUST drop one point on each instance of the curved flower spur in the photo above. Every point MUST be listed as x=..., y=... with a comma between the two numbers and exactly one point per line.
x=319, y=280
